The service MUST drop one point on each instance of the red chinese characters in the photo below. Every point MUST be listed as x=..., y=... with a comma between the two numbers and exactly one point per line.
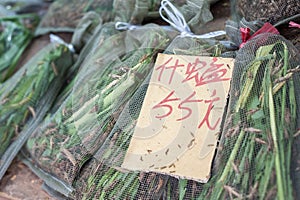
x=165, y=66
x=213, y=73
x=164, y=103
x=201, y=73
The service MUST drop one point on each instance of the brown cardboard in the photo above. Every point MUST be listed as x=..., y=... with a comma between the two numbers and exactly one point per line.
x=171, y=136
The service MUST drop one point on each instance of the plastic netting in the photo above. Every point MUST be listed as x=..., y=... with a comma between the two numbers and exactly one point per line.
x=257, y=157
x=64, y=15
x=89, y=33
x=258, y=153
x=113, y=151
x=15, y=35
x=79, y=148
x=99, y=181
x=85, y=29
x=135, y=11
x=102, y=179
x=140, y=185
x=28, y=94
x=63, y=143
x=195, y=12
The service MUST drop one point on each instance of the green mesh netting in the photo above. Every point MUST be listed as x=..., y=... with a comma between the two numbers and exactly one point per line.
x=257, y=157
x=257, y=153
x=104, y=179
x=195, y=12
x=89, y=31
x=28, y=95
x=115, y=68
x=15, y=35
x=88, y=38
x=64, y=15
x=85, y=29
x=114, y=149
x=99, y=181
x=79, y=148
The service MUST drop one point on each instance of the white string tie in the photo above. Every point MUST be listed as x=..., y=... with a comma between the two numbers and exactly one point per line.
x=58, y=40
x=177, y=21
x=123, y=26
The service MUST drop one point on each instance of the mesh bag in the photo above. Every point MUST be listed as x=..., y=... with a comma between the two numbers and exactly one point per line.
x=64, y=15
x=15, y=35
x=258, y=154
x=27, y=96
x=135, y=11
x=72, y=163
x=89, y=31
x=85, y=30
x=63, y=143
x=195, y=12
x=113, y=151
x=102, y=177
x=99, y=181
x=63, y=110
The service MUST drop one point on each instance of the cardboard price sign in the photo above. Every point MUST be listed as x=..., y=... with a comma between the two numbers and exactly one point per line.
x=178, y=126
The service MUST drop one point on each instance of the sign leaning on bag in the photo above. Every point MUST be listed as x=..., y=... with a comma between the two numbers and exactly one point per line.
x=179, y=124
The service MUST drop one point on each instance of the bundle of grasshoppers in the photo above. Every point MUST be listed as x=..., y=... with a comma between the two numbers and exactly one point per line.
x=257, y=157
x=16, y=32
x=108, y=78
x=102, y=178
x=28, y=95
